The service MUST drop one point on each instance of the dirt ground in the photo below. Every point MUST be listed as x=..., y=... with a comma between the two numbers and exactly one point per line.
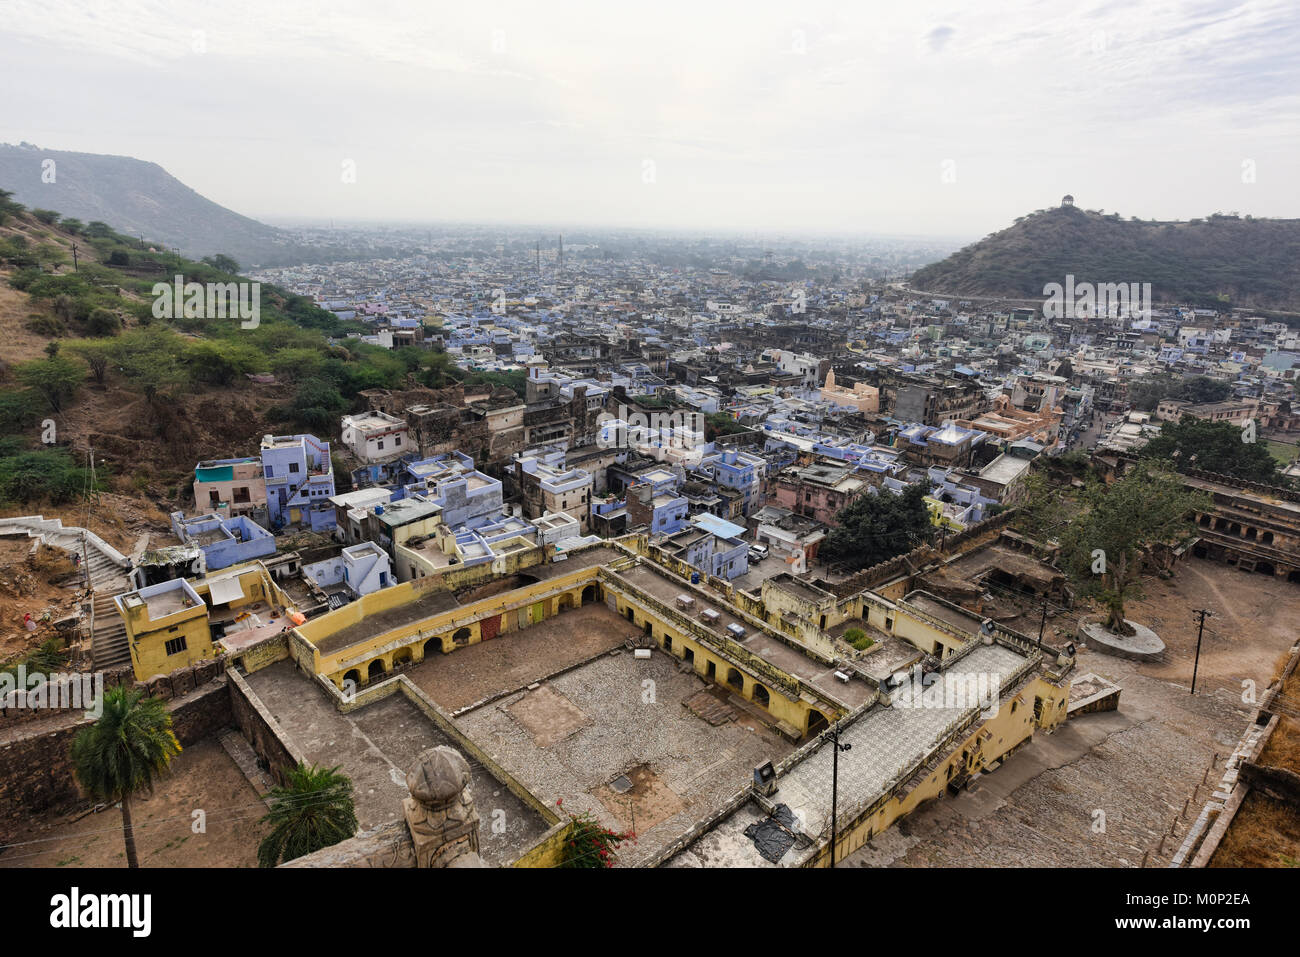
x=203, y=777
x=27, y=585
x=119, y=520
x=1253, y=619
x=518, y=658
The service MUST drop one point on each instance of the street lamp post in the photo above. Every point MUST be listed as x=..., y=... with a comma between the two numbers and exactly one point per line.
x=833, y=736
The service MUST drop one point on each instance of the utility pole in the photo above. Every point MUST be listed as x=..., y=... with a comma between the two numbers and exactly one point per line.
x=74, y=257
x=833, y=736
x=1041, y=625
x=1199, y=632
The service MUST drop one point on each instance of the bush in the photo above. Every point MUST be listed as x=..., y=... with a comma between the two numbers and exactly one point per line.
x=42, y=475
x=102, y=322
x=858, y=639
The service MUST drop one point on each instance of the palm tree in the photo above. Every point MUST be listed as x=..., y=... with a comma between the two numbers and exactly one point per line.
x=124, y=751
x=312, y=811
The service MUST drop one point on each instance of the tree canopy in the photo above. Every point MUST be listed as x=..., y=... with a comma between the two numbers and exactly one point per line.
x=1213, y=447
x=1115, y=525
x=877, y=527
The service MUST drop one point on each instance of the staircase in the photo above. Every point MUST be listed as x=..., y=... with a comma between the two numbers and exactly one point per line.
x=108, y=643
x=108, y=567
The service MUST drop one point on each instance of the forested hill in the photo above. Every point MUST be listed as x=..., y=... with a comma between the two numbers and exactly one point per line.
x=1221, y=261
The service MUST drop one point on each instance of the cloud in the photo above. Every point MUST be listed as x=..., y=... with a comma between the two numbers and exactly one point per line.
x=756, y=114
x=938, y=38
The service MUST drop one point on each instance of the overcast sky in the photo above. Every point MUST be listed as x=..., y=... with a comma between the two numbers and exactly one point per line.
x=907, y=116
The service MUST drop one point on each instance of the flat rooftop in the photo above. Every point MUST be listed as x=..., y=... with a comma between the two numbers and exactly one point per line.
x=886, y=741
x=376, y=746
x=433, y=603
x=573, y=737
x=666, y=588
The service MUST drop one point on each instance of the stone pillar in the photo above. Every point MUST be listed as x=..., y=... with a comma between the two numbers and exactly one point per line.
x=440, y=811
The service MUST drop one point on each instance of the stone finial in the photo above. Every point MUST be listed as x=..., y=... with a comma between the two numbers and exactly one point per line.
x=439, y=776
x=440, y=811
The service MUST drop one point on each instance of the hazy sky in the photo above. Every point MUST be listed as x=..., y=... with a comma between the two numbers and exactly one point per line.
x=898, y=117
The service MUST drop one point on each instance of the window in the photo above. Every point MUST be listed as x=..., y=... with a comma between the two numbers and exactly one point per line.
x=397, y=441
x=380, y=445
x=293, y=466
x=175, y=646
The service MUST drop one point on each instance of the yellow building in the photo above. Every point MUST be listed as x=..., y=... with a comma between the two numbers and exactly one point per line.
x=178, y=623
x=166, y=628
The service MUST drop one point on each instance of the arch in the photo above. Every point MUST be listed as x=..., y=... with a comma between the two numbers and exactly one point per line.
x=354, y=676
x=816, y=722
x=564, y=603
x=1251, y=532
x=735, y=679
x=433, y=644
x=1265, y=568
x=1266, y=538
x=590, y=593
x=1205, y=520
x=460, y=636
x=376, y=670
x=1294, y=577
x=401, y=657
x=761, y=696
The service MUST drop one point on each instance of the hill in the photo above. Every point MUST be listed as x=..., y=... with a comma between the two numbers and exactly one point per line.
x=1222, y=261
x=136, y=197
x=87, y=364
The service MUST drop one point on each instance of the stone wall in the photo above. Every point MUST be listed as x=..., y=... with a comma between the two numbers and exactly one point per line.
x=261, y=730
x=35, y=763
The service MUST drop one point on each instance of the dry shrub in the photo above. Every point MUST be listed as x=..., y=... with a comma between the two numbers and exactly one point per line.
x=50, y=562
x=1264, y=833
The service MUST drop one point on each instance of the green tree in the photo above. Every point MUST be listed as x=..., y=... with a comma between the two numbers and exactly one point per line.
x=316, y=404
x=1116, y=525
x=218, y=362
x=124, y=752
x=223, y=262
x=97, y=355
x=1214, y=447
x=877, y=527
x=151, y=361
x=103, y=322
x=55, y=379
x=313, y=810
x=8, y=206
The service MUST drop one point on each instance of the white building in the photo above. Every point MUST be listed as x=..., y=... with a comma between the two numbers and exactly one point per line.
x=375, y=436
